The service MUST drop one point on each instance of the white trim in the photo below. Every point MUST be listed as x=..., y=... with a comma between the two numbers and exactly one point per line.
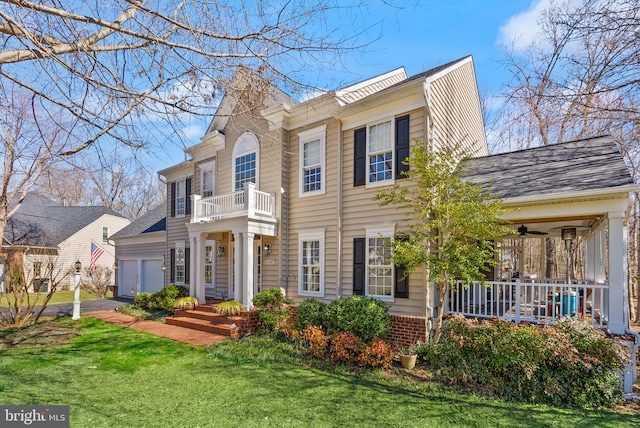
x=214, y=246
x=318, y=133
x=307, y=236
x=369, y=184
x=208, y=167
x=184, y=196
x=379, y=231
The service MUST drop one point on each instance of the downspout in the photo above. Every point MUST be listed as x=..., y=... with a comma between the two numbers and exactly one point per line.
x=428, y=126
x=339, y=213
x=631, y=371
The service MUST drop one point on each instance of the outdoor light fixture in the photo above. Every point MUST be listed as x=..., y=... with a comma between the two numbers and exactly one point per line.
x=267, y=248
x=568, y=235
x=220, y=251
x=78, y=266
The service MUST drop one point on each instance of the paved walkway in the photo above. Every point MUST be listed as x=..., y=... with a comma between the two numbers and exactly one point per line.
x=173, y=332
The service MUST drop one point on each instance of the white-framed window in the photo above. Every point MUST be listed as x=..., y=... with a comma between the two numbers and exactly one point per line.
x=380, y=148
x=245, y=160
x=181, y=197
x=380, y=270
x=180, y=263
x=208, y=262
x=312, y=161
x=105, y=234
x=311, y=263
x=207, y=179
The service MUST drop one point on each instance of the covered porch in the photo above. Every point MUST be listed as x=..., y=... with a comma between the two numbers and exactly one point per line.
x=226, y=234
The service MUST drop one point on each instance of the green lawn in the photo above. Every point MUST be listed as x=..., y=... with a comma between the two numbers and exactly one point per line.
x=117, y=377
x=58, y=297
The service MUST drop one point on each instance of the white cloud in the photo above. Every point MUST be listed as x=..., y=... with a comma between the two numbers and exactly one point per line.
x=522, y=29
x=192, y=131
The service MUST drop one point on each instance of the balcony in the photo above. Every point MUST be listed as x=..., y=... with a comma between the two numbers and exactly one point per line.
x=248, y=202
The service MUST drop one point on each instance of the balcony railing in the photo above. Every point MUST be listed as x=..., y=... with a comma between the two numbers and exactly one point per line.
x=529, y=301
x=246, y=202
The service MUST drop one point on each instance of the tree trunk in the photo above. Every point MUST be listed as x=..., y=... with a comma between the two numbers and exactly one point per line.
x=550, y=258
x=442, y=289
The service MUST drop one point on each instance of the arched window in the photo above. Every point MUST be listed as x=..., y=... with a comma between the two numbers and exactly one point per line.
x=245, y=160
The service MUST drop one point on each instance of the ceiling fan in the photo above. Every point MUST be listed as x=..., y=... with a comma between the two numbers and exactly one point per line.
x=523, y=230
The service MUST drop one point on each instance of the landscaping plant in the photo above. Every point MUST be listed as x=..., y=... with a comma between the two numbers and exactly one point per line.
x=273, y=310
x=229, y=308
x=364, y=317
x=311, y=312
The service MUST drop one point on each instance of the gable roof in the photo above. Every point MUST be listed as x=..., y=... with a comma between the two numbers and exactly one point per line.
x=154, y=220
x=42, y=222
x=576, y=166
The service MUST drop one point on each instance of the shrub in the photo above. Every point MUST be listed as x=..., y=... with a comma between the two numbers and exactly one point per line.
x=377, y=354
x=316, y=340
x=144, y=300
x=185, y=303
x=365, y=317
x=273, y=312
x=346, y=349
x=572, y=364
x=270, y=297
x=166, y=297
x=229, y=308
x=311, y=312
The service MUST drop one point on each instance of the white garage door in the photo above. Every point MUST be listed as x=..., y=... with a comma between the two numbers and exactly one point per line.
x=128, y=277
x=152, y=276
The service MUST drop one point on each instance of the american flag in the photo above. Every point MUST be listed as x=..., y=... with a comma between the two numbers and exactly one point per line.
x=96, y=252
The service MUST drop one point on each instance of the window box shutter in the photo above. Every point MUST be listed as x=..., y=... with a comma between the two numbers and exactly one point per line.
x=359, y=255
x=360, y=157
x=172, y=264
x=186, y=265
x=187, y=201
x=402, y=283
x=402, y=145
x=173, y=200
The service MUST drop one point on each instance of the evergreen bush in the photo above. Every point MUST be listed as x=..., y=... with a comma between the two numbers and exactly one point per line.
x=311, y=312
x=365, y=317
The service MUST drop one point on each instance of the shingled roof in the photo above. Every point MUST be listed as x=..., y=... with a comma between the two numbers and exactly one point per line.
x=575, y=166
x=154, y=220
x=44, y=223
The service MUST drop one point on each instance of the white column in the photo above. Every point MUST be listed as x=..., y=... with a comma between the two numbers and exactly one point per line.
x=617, y=272
x=193, y=256
x=250, y=198
x=590, y=261
x=247, y=284
x=238, y=266
x=199, y=262
x=599, y=270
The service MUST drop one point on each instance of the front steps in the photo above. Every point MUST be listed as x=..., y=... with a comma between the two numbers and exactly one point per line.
x=204, y=318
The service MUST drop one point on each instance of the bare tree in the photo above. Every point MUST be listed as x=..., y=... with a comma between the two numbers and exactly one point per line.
x=580, y=78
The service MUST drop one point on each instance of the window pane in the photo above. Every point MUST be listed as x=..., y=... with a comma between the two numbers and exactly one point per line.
x=380, y=267
x=380, y=137
x=245, y=170
x=311, y=268
x=312, y=153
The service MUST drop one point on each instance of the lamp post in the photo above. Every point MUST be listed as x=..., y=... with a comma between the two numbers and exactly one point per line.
x=76, y=292
x=568, y=234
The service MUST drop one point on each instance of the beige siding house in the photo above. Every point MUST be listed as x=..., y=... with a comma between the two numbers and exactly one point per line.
x=279, y=193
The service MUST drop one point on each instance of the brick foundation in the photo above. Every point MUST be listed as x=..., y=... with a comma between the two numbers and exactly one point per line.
x=406, y=331
x=249, y=323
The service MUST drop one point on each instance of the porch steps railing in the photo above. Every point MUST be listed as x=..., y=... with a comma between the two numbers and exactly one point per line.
x=245, y=202
x=527, y=301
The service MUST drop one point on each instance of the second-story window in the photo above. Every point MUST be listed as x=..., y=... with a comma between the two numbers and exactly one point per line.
x=105, y=234
x=245, y=160
x=312, y=161
x=380, y=152
x=181, y=199
x=207, y=179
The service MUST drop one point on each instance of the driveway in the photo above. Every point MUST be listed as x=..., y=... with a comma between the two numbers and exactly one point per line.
x=88, y=306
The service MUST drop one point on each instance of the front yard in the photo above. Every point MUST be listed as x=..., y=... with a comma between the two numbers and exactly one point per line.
x=116, y=377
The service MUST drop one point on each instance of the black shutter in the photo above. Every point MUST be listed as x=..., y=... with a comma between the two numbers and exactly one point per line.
x=359, y=265
x=402, y=145
x=186, y=266
x=173, y=199
x=402, y=283
x=360, y=157
x=187, y=202
x=172, y=265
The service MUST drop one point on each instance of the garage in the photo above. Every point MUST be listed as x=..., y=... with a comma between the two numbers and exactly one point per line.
x=152, y=276
x=128, y=277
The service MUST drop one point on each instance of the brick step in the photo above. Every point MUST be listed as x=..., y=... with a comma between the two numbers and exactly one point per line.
x=212, y=317
x=203, y=325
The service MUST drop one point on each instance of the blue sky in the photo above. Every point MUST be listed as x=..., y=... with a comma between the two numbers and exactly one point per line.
x=425, y=35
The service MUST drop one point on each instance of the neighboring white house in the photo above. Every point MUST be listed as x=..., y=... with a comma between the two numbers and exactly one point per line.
x=140, y=251
x=48, y=238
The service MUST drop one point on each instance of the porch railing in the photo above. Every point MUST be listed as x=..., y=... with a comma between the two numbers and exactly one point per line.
x=529, y=301
x=246, y=202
